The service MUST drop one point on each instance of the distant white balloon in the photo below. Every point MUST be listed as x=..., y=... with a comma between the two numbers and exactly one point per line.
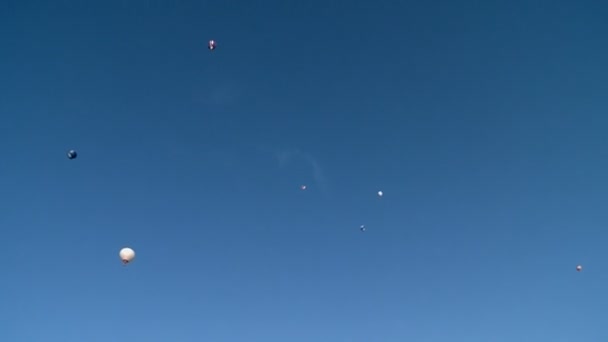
x=579, y=268
x=303, y=187
x=127, y=255
x=380, y=193
x=362, y=227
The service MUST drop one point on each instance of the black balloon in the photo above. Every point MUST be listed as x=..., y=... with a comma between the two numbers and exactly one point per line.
x=72, y=154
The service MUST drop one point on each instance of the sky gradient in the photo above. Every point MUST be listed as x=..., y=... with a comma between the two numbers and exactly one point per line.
x=483, y=122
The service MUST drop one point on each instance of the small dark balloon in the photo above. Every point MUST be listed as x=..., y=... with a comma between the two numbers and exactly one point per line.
x=362, y=228
x=72, y=154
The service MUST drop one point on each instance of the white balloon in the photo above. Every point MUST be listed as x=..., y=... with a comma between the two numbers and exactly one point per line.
x=380, y=193
x=127, y=255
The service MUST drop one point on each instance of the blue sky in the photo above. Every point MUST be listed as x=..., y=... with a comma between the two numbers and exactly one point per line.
x=484, y=123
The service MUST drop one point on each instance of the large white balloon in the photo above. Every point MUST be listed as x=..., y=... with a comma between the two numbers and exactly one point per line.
x=127, y=255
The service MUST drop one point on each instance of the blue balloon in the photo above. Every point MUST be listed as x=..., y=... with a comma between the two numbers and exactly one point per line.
x=72, y=154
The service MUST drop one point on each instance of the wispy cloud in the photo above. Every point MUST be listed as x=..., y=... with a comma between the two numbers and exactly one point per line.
x=318, y=173
x=285, y=156
x=222, y=94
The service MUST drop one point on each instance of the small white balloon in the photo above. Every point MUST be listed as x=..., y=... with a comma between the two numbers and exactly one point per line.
x=579, y=268
x=303, y=187
x=127, y=255
x=380, y=193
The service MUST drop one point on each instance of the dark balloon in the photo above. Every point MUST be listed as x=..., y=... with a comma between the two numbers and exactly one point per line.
x=72, y=154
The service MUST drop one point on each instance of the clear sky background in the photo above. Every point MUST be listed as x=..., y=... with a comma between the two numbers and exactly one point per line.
x=485, y=123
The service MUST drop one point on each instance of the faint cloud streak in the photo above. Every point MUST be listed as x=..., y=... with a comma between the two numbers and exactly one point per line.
x=283, y=157
x=220, y=95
